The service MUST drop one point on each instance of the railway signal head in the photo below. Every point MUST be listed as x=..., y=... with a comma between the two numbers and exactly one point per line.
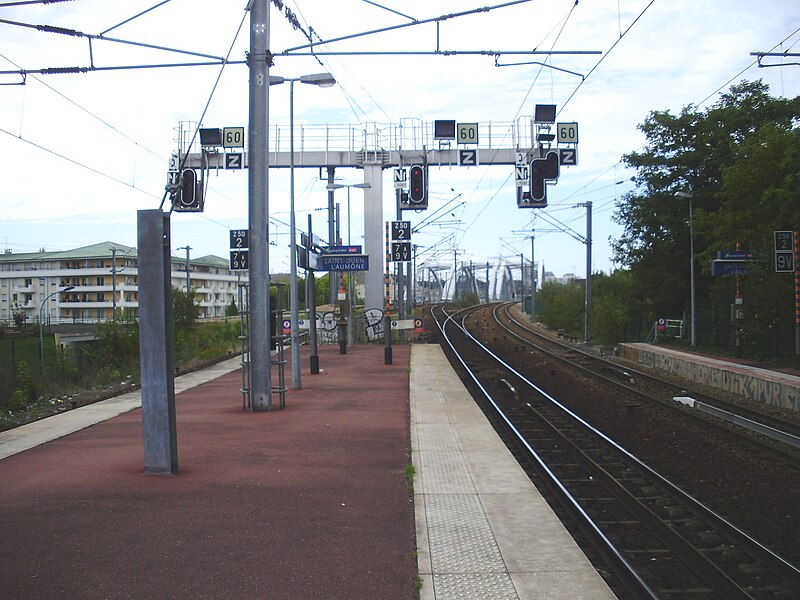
x=189, y=196
x=543, y=171
x=417, y=187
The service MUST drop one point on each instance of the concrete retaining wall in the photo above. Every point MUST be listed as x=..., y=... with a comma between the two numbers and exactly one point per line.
x=757, y=384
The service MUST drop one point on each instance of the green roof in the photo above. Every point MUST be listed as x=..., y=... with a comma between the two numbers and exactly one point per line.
x=100, y=250
x=104, y=250
x=211, y=261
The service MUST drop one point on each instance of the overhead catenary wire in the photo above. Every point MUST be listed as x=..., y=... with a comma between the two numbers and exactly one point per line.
x=605, y=55
x=748, y=67
x=86, y=110
x=24, y=2
x=563, y=23
x=358, y=111
x=77, y=163
x=224, y=62
x=128, y=20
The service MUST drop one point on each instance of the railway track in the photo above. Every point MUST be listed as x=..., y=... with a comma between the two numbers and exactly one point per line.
x=774, y=434
x=658, y=541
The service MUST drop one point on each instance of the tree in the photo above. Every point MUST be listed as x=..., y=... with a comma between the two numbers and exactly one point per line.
x=562, y=306
x=184, y=308
x=231, y=310
x=19, y=317
x=617, y=314
x=738, y=159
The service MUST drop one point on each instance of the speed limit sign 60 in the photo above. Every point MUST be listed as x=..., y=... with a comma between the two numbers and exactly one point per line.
x=567, y=133
x=467, y=133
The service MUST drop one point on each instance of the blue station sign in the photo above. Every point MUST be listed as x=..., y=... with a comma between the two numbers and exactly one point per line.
x=735, y=255
x=343, y=262
x=720, y=268
x=342, y=250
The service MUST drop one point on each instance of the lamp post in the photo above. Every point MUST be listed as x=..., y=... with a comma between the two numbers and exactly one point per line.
x=321, y=80
x=688, y=196
x=41, y=328
x=336, y=186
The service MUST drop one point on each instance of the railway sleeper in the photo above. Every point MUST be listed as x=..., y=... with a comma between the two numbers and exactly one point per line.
x=632, y=524
x=684, y=593
x=648, y=552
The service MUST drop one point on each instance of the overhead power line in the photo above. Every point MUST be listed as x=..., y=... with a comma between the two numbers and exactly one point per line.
x=614, y=45
x=5, y=4
x=78, y=163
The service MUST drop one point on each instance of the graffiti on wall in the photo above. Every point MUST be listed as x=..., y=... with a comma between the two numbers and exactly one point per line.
x=327, y=330
x=373, y=318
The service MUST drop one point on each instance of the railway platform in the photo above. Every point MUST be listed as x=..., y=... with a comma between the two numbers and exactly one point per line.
x=311, y=501
x=768, y=386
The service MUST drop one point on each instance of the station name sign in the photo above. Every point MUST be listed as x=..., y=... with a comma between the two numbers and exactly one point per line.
x=343, y=262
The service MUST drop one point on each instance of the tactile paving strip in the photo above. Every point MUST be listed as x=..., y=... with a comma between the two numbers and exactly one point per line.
x=445, y=474
x=474, y=585
x=465, y=560
x=430, y=405
x=437, y=437
x=459, y=535
x=441, y=463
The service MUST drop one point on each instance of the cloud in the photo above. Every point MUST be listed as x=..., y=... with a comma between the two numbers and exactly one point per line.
x=95, y=150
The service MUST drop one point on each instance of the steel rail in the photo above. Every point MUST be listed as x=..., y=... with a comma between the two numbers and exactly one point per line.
x=786, y=454
x=627, y=573
x=755, y=548
x=764, y=420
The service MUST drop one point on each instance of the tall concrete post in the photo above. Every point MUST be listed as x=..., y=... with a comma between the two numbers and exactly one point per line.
x=311, y=295
x=258, y=207
x=373, y=237
x=332, y=276
x=588, y=326
x=534, y=278
x=155, y=344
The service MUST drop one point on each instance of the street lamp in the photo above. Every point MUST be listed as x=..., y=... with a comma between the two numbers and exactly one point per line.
x=41, y=329
x=321, y=80
x=336, y=186
x=688, y=196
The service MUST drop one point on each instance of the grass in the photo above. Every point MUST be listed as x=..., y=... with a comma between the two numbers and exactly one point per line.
x=87, y=370
x=410, y=472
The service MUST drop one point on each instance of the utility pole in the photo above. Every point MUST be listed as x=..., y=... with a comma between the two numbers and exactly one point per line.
x=260, y=361
x=588, y=315
x=333, y=279
x=311, y=298
x=413, y=276
x=398, y=266
x=534, y=273
x=114, y=284
x=487, y=281
x=188, y=280
x=455, y=275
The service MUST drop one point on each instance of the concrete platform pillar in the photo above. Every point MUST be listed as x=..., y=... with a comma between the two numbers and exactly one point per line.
x=155, y=344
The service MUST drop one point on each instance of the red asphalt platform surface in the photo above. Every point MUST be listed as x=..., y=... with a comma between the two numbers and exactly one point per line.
x=310, y=501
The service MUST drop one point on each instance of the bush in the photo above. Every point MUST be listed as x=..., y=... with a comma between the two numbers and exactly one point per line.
x=19, y=400
x=469, y=299
x=111, y=359
x=27, y=389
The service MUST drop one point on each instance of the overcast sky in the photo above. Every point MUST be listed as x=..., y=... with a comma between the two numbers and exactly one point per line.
x=81, y=153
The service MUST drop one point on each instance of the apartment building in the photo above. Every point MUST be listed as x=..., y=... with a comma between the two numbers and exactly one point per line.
x=103, y=279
